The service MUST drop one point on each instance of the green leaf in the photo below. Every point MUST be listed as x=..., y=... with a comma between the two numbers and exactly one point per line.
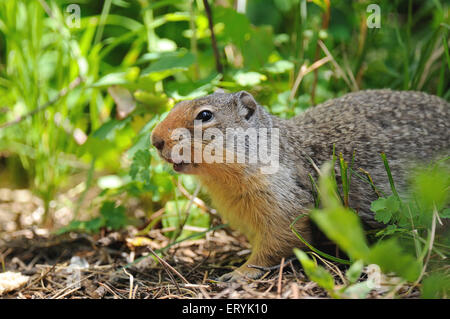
x=156, y=102
x=257, y=49
x=436, y=286
x=315, y=272
x=338, y=223
x=385, y=208
x=108, y=129
x=431, y=187
x=115, y=217
x=248, y=78
x=91, y=226
x=191, y=89
x=94, y=225
x=97, y=147
x=343, y=227
x=359, y=290
x=236, y=25
x=354, y=272
x=391, y=258
x=141, y=161
x=119, y=78
x=445, y=213
x=169, y=63
x=279, y=67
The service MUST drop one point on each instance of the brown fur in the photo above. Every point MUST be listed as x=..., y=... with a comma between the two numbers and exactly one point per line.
x=405, y=125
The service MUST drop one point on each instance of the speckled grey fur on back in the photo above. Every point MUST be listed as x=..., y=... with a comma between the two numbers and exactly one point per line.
x=407, y=126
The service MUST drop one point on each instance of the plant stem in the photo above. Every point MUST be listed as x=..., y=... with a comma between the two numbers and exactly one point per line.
x=219, y=67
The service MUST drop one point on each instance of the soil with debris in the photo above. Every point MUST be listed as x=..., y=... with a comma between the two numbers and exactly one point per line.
x=123, y=265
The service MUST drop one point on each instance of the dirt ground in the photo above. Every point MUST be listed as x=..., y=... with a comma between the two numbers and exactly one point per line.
x=123, y=265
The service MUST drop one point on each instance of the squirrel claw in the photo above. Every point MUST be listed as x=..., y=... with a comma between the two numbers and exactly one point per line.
x=241, y=274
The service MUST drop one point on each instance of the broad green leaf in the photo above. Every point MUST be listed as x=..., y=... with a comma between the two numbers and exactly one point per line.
x=154, y=101
x=97, y=147
x=338, y=223
x=249, y=78
x=236, y=25
x=431, y=187
x=192, y=89
x=354, y=272
x=258, y=47
x=391, y=258
x=343, y=227
x=125, y=78
x=112, y=79
x=314, y=272
x=279, y=67
x=359, y=290
x=168, y=64
x=108, y=130
x=436, y=286
x=118, y=20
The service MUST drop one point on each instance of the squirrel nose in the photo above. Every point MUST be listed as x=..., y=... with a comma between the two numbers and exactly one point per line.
x=157, y=142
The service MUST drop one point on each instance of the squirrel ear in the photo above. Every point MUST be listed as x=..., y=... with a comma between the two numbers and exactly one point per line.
x=246, y=104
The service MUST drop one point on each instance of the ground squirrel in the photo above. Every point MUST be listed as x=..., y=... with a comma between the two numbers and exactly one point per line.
x=405, y=125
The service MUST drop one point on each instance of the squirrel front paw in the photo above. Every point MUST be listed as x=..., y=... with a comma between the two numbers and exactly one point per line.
x=242, y=273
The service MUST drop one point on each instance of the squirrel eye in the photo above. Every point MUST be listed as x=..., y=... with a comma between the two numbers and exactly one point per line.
x=204, y=116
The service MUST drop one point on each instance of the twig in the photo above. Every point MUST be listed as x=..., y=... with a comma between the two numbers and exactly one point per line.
x=305, y=70
x=325, y=22
x=68, y=292
x=186, y=213
x=130, y=295
x=272, y=267
x=44, y=275
x=78, y=282
x=167, y=266
x=199, y=264
x=204, y=292
x=280, y=277
x=294, y=289
x=314, y=165
x=353, y=86
x=104, y=285
x=194, y=48
x=437, y=52
x=61, y=94
x=430, y=248
x=197, y=201
x=219, y=67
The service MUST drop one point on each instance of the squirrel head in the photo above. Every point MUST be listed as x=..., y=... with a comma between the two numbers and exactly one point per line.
x=204, y=120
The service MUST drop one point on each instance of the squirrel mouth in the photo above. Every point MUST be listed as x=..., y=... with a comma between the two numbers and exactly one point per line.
x=178, y=167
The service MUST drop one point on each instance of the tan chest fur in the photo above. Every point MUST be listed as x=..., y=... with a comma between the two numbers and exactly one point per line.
x=242, y=201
